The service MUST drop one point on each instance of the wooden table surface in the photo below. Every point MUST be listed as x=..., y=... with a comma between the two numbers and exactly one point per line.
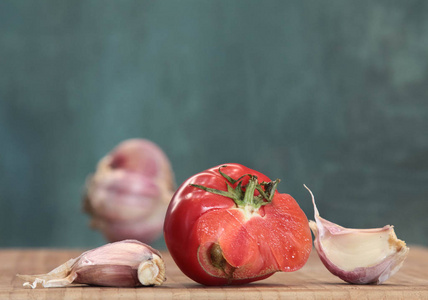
x=313, y=281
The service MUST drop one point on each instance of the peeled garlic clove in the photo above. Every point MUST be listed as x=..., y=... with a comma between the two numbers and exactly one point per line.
x=128, y=263
x=360, y=256
x=129, y=193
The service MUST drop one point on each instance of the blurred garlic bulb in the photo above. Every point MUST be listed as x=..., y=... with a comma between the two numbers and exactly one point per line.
x=129, y=193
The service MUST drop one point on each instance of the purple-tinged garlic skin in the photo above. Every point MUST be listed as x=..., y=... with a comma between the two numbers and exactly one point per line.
x=129, y=193
x=358, y=256
x=119, y=264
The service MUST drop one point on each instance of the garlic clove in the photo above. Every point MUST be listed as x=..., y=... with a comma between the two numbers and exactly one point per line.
x=117, y=265
x=128, y=195
x=359, y=256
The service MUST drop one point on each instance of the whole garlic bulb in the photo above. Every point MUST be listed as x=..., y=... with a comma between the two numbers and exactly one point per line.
x=129, y=193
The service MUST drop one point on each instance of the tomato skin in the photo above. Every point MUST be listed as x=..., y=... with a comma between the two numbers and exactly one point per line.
x=190, y=205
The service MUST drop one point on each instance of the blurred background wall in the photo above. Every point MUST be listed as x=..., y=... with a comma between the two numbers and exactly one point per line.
x=333, y=94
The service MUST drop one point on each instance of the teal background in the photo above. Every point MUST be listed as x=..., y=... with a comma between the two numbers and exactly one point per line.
x=333, y=94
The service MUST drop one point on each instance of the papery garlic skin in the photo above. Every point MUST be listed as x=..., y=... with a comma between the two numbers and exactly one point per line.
x=115, y=265
x=129, y=193
x=359, y=256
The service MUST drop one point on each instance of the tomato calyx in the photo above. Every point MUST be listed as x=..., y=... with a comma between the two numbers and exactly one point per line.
x=244, y=195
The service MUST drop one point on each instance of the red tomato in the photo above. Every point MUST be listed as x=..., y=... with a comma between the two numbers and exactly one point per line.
x=229, y=225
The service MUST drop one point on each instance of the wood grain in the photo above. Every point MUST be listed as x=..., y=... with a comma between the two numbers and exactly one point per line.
x=313, y=281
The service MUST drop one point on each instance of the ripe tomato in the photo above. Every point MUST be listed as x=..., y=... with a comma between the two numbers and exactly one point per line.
x=229, y=225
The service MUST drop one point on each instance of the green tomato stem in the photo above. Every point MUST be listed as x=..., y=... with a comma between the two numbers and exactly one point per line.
x=244, y=196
